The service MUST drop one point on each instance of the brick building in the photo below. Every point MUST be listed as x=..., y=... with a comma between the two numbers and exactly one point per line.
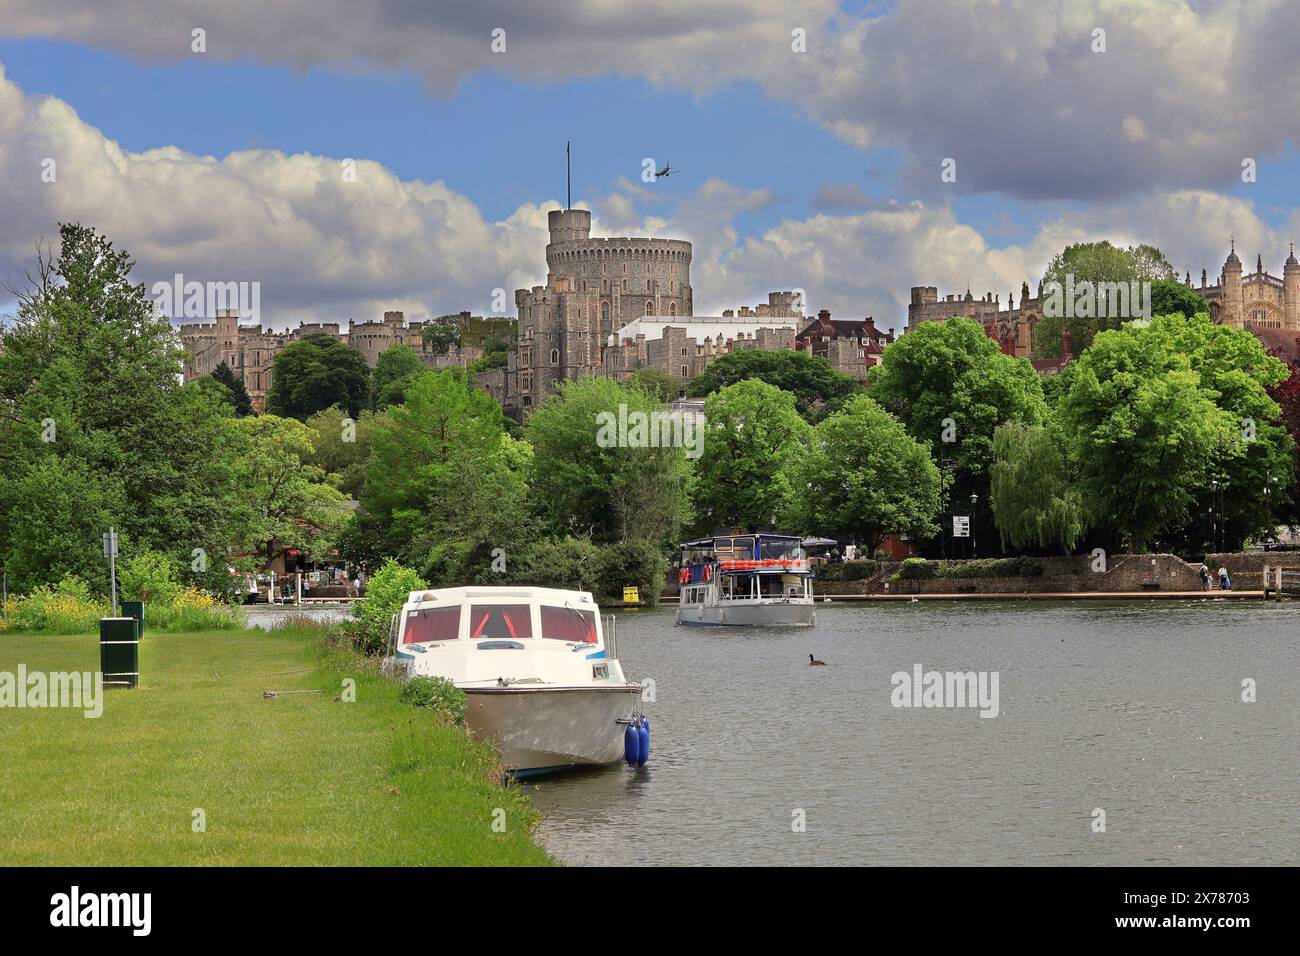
x=852, y=346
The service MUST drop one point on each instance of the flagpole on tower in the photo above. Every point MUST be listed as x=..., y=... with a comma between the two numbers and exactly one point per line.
x=568, y=177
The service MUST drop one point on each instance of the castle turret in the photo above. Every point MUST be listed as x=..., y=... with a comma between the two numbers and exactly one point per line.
x=1232, y=301
x=1291, y=290
x=569, y=225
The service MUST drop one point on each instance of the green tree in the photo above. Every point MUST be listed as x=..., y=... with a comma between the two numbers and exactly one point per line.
x=93, y=415
x=53, y=515
x=441, y=333
x=1154, y=414
x=1094, y=263
x=1169, y=296
x=658, y=383
x=445, y=485
x=280, y=501
x=614, y=490
x=342, y=445
x=754, y=441
x=393, y=371
x=866, y=477
x=314, y=373
x=951, y=386
x=235, y=385
x=817, y=387
x=1258, y=452
x=1035, y=505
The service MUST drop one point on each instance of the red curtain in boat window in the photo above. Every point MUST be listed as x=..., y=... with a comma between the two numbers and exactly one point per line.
x=500, y=620
x=434, y=624
x=568, y=624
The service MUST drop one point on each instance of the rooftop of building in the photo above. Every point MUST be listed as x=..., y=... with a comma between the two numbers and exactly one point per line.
x=700, y=327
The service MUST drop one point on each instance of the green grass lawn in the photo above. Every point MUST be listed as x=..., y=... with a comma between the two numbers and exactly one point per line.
x=297, y=779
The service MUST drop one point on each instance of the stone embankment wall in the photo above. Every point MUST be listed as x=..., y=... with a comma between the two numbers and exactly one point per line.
x=1124, y=572
x=1070, y=575
x=1246, y=568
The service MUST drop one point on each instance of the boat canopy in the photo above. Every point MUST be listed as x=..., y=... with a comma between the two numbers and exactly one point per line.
x=744, y=547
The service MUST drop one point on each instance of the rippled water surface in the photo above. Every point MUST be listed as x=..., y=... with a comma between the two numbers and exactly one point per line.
x=1134, y=708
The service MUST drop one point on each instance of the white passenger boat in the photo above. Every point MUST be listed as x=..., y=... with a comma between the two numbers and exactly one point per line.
x=751, y=579
x=537, y=666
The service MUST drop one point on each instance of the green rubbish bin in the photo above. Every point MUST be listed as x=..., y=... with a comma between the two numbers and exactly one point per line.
x=135, y=609
x=119, y=651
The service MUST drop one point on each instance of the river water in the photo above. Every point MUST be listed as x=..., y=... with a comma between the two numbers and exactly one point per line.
x=1132, y=708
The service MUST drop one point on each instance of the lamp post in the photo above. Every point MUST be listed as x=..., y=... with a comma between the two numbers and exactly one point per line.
x=1268, y=510
x=1214, y=515
x=974, y=551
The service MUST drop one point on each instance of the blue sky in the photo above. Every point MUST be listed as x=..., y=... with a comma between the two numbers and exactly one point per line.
x=1054, y=144
x=473, y=139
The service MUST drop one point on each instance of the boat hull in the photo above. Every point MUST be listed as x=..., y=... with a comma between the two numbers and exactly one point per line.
x=552, y=728
x=737, y=614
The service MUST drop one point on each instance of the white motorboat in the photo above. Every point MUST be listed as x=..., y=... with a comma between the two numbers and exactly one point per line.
x=750, y=579
x=537, y=666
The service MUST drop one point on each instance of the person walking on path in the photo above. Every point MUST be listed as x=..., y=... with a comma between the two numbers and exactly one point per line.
x=1205, y=578
x=1225, y=583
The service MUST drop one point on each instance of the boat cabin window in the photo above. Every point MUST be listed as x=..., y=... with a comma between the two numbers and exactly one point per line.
x=432, y=624
x=738, y=587
x=568, y=624
x=734, y=549
x=500, y=620
x=774, y=549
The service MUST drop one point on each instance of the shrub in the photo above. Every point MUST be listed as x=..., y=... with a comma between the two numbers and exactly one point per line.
x=149, y=577
x=67, y=608
x=845, y=570
x=630, y=564
x=192, y=610
x=439, y=695
x=917, y=569
x=993, y=568
x=386, y=592
x=848, y=570
x=561, y=563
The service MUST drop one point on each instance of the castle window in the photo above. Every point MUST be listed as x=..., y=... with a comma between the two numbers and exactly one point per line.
x=683, y=350
x=555, y=356
x=684, y=375
x=672, y=308
x=624, y=285
x=604, y=313
x=649, y=307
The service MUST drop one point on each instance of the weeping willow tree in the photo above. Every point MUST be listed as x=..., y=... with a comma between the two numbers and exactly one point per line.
x=1034, y=504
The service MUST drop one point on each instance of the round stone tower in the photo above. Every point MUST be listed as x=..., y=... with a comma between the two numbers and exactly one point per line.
x=633, y=277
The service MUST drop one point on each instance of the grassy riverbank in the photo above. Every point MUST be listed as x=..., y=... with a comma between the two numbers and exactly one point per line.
x=302, y=778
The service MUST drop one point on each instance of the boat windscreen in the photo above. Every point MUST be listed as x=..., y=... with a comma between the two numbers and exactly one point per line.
x=568, y=624
x=500, y=620
x=432, y=624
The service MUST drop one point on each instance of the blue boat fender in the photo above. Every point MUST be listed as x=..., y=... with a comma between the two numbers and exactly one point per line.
x=631, y=745
x=643, y=735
